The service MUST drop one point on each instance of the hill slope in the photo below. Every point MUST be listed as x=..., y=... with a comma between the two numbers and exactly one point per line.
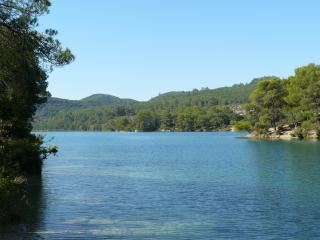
x=56, y=105
x=104, y=99
x=237, y=94
x=101, y=112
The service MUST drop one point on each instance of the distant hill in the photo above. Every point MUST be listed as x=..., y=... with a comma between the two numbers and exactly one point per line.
x=104, y=99
x=236, y=94
x=99, y=111
x=55, y=105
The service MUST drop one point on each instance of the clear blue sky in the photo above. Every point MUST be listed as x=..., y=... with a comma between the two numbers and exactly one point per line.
x=138, y=49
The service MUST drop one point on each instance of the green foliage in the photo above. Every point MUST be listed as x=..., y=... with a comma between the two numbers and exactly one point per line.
x=294, y=101
x=237, y=94
x=243, y=125
x=23, y=155
x=167, y=120
x=123, y=123
x=135, y=117
x=267, y=102
x=55, y=105
x=27, y=56
x=147, y=121
x=299, y=133
x=198, y=110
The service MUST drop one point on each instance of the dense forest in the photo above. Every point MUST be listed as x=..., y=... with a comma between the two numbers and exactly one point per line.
x=26, y=58
x=197, y=110
x=266, y=107
x=285, y=106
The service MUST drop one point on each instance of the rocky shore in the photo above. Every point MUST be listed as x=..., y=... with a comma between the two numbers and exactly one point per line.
x=287, y=132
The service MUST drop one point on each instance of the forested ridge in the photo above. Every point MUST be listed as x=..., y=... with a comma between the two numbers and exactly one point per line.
x=55, y=105
x=196, y=110
x=266, y=107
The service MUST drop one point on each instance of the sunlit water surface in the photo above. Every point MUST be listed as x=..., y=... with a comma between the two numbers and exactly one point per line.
x=175, y=186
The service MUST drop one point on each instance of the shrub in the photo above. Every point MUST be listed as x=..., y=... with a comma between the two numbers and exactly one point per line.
x=243, y=126
x=299, y=133
x=278, y=131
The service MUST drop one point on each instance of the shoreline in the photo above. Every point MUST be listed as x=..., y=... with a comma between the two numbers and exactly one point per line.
x=159, y=131
x=285, y=137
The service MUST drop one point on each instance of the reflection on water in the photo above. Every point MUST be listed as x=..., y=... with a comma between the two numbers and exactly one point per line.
x=287, y=174
x=32, y=214
x=176, y=186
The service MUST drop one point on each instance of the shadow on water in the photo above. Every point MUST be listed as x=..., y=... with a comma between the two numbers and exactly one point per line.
x=287, y=189
x=31, y=214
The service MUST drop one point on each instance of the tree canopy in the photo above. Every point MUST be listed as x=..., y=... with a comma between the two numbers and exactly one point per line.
x=171, y=109
x=294, y=101
x=26, y=58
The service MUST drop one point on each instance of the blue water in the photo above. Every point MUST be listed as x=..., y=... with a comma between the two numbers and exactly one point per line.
x=177, y=186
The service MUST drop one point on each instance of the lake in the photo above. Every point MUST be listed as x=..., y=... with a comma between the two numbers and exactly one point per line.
x=175, y=186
